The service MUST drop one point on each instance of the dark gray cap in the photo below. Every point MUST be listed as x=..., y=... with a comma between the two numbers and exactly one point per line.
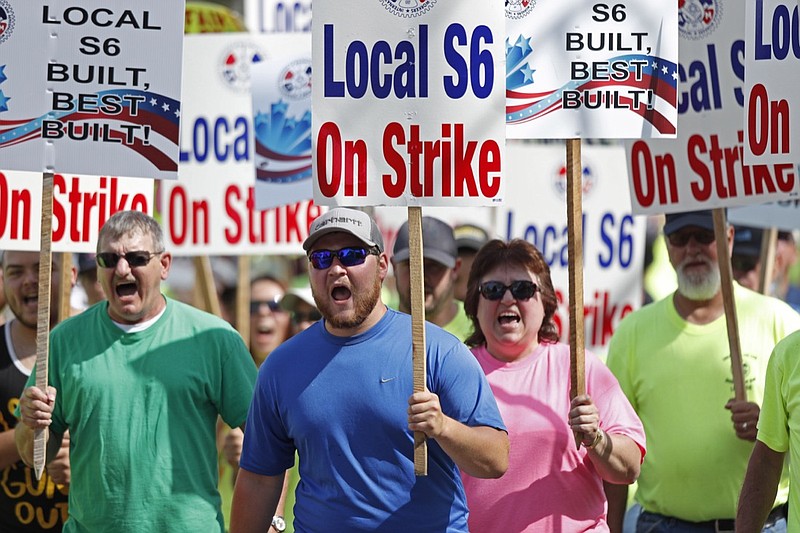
x=747, y=241
x=352, y=221
x=677, y=221
x=438, y=242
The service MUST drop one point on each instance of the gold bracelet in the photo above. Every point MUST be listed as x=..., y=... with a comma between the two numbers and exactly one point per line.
x=597, y=438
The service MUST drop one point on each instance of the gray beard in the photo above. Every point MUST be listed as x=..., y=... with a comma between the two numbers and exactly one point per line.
x=699, y=287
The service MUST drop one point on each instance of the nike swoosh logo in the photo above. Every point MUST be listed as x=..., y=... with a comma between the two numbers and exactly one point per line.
x=387, y=380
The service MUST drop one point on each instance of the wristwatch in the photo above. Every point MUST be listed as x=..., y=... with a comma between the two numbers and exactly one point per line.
x=279, y=523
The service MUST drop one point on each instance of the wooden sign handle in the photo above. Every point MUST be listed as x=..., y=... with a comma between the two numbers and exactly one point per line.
x=205, y=285
x=726, y=281
x=43, y=317
x=416, y=267
x=65, y=276
x=575, y=251
x=769, y=242
x=243, y=298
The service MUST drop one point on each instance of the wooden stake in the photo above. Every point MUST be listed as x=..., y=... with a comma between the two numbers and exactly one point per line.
x=418, y=326
x=726, y=281
x=575, y=250
x=243, y=299
x=769, y=241
x=205, y=284
x=43, y=316
x=64, y=299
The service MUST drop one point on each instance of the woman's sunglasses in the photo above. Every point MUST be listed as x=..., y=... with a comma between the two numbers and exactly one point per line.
x=348, y=257
x=273, y=305
x=520, y=289
x=135, y=259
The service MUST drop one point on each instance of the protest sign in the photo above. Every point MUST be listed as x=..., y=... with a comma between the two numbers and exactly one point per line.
x=578, y=69
x=91, y=89
x=703, y=167
x=783, y=214
x=613, y=243
x=277, y=16
x=81, y=205
x=772, y=66
x=211, y=208
x=408, y=104
x=281, y=89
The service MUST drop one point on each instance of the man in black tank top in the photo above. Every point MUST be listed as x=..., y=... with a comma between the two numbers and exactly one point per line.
x=26, y=504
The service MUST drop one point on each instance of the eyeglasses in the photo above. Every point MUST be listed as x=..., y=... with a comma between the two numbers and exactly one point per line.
x=349, y=256
x=138, y=258
x=520, y=289
x=681, y=238
x=274, y=306
x=310, y=316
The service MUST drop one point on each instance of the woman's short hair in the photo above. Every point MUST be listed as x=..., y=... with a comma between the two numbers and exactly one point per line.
x=515, y=253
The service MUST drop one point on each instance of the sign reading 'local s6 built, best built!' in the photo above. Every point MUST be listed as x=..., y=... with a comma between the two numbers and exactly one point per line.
x=90, y=88
x=408, y=107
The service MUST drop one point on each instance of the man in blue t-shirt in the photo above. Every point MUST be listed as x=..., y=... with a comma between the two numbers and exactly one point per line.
x=340, y=394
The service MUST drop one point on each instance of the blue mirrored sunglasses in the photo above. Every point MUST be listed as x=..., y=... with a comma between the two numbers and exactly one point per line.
x=349, y=256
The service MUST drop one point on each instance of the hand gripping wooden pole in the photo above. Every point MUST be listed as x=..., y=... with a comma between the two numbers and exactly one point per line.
x=43, y=316
x=726, y=281
x=417, y=326
x=575, y=251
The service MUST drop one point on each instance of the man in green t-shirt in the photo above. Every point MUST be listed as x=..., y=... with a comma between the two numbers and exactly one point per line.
x=441, y=266
x=672, y=359
x=139, y=381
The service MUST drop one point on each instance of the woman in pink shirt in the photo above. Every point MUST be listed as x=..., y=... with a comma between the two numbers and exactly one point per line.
x=551, y=484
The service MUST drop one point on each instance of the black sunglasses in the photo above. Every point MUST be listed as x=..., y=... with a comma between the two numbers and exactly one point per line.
x=138, y=258
x=274, y=306
x=520, y=289
x=701, y=236
x=349, y=256
x=310, y=316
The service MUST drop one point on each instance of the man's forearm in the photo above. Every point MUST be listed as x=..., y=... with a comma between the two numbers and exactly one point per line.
x=759, y=488
x=247, y=517
x=617, y=496
x=480, y=451
x=8, y=449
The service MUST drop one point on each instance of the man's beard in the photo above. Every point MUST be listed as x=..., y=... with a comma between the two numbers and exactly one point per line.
x=363, y=304
x=698, y=285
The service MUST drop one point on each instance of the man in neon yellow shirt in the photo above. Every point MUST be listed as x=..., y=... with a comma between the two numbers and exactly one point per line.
x=777, y=433
x=672, y=360
x=441, y=267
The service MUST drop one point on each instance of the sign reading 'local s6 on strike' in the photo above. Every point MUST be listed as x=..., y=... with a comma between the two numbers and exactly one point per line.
x=81, y=205
x=408, y=102
x=772, y=34
x=92, y=88
x=706, y=167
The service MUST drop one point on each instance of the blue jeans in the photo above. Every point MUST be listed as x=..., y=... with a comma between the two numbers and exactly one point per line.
x=655, y=523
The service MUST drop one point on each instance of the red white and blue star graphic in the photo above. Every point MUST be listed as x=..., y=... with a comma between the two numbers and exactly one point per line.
x=155, y=119
x=658, y=82
x=283, y=145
